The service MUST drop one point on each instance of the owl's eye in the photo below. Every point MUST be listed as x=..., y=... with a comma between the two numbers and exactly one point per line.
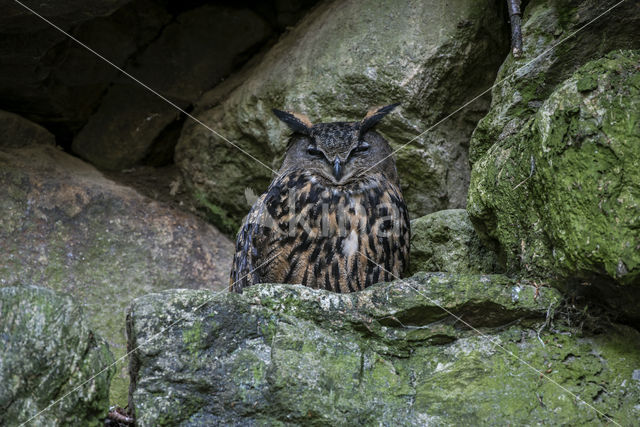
x=314, y=151
x=364, y=146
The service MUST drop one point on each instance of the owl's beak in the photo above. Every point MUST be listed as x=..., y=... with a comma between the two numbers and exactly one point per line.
x=337, y=168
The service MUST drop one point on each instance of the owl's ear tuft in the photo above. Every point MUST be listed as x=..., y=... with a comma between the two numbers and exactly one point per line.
x=297, y=122
x=374, y=115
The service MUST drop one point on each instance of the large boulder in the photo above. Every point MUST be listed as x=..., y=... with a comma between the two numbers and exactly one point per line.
x=192, y=54
x=286, y=354
x=555, y=45
x=560, y=198
x=49, y=78
x=446, y=241
x=344, y=57
x=64, y=226
x=50, y=356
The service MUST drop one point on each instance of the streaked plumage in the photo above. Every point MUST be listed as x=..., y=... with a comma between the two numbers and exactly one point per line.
x=335, y=207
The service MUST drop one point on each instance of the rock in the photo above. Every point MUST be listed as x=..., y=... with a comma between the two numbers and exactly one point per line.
x=446, y=241
x=16, y=131
x=286, y=354
x=340, y=60
x=52, y=80
x=66, y=227
x=561, y=197
x=47, y=351
x=191, y=55
x=523, y=84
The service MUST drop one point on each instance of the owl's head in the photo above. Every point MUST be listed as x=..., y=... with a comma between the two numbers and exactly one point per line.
x=338, y=152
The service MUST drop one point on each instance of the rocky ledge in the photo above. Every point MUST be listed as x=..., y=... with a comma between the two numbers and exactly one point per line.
x=283, y=354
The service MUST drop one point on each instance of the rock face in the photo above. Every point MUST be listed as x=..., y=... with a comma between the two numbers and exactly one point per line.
x=344, y=57
x=526, y=82
x=18, y=131
x=66, y=227
x=446, y=241
x=192, y=54
x=47, y=350
x=293, y=355
x=561, y=197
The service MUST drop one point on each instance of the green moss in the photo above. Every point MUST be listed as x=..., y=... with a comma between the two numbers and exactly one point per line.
x=587, y=83
x=192, y=338
x=218, y=215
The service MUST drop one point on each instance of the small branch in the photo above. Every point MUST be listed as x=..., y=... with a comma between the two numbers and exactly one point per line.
x=515, y=17
x=119, y=415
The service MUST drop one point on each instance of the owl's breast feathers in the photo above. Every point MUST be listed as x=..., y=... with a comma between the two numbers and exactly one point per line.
x=341, y=239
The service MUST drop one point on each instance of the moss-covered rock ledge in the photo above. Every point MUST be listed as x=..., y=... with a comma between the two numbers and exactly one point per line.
x=283, y=354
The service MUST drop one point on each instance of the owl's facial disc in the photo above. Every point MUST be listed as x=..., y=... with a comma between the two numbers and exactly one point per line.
x=334, y=146
x=338, y=153
x=340, y=166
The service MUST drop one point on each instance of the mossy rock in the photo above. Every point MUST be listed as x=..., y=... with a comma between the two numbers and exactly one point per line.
x=446, y=241
x=286, y=354
x=49, y=356
x=560, y=198
x=554, y=46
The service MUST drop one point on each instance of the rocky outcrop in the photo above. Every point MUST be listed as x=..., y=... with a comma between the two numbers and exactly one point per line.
x=49, y=353
x=192, y=54
x=446, y=241
x=560, y=198
x=66, y=227
x=343, y=58
x=552, y=52
x=288, y=354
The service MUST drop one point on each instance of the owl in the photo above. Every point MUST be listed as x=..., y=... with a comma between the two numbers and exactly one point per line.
x=334, y=217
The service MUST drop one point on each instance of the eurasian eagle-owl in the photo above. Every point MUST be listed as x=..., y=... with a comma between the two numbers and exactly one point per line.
x=334, y=217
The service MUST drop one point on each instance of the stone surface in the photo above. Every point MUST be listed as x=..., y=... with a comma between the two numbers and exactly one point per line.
x=16, y=131
x=285, y=354
x=64, y=226
x=49, y=78
x=341, y=59
x=524, y=83
x=47, y=350
x=193, y=53
x=561, y=197
x=446, y=241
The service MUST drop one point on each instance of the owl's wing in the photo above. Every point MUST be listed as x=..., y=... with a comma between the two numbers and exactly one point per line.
x=251, y=246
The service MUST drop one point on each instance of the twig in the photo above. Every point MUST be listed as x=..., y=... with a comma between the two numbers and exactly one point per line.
x=515, y=17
